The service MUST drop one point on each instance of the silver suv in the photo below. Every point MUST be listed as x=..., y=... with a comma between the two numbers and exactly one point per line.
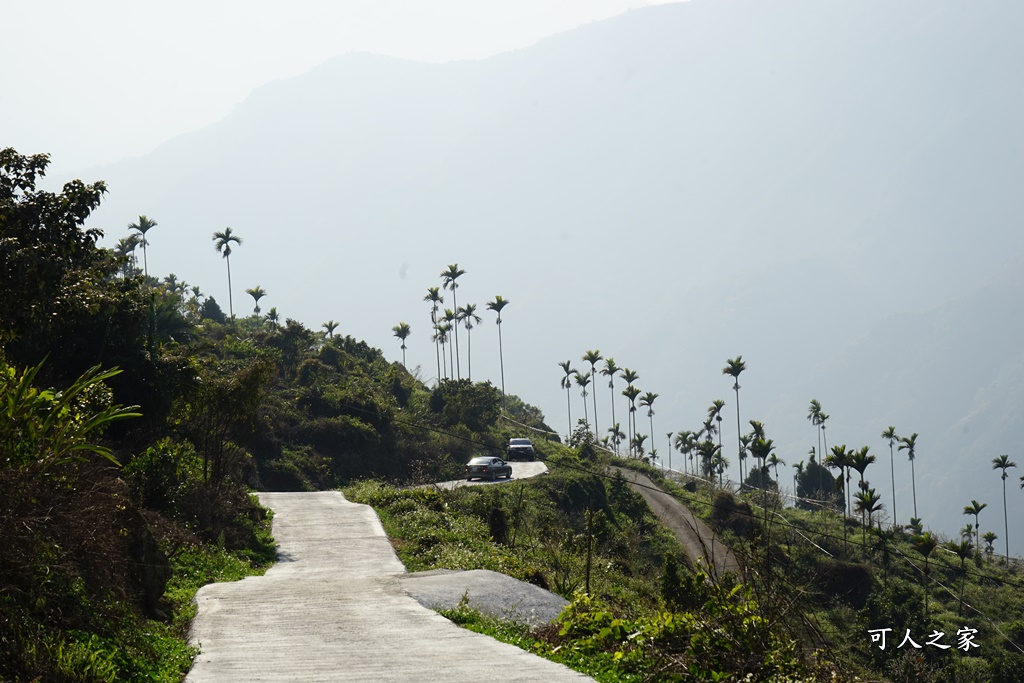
x=520, y=449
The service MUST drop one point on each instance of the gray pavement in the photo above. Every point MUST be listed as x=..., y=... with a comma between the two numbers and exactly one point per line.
x=334, y=609
x=696, y=537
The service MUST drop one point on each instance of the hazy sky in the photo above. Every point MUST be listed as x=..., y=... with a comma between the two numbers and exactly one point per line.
x=93, y=82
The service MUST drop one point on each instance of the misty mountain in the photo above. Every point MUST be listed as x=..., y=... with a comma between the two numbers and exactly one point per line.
x=828, y=189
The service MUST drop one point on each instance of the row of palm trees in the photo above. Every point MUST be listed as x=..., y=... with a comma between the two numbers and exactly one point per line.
x=866, y=501
x=223, y=240
x=445, y=323
x=615, y=436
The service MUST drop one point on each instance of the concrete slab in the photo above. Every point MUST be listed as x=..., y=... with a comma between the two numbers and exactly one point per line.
x=334, y=609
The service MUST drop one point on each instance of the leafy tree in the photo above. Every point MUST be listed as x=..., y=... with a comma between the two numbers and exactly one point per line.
x=497, y=306
x=61, y=297
x=211, y=310
x=592, y=356
x=256, y=293
x=467, y=314
x=222, y=243
x=142, y=227
x=909, y=444
x=450, y=277
x=1004, y=463
x=401, y=331
x=734, y=367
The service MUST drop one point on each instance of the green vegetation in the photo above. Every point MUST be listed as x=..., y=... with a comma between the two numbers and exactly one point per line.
x=137, y=418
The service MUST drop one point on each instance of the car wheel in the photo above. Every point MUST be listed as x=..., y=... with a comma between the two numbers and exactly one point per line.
x=509, y=475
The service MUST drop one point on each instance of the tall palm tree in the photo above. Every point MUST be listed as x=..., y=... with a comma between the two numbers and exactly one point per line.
x=733, y=368
x=442, y=338
x=975, y=509
x=272, y=316
x=497, y=305
x=583, y=381
x=402, y=330
x=435, y=299
x=467, y=314
x=840, y=459
x=799, y=467
x=684, y=444
x=567, y=385
x=963, y=550
x=859, y=460
x=143, y=226
x=647, y=401
x=715, y=415
x=126, y=249
x=631, y=392
x=814, y=415
x=638, y=444
x=909, y=444
x=867, y=503
x=592, y=356
x=610, y=370
x=451, y=318
x=1004, y=463
x=617, y=436
x=890, y=434
x=774, y=461
x=222, y=243
x=450, y=276
x=925, y=544
x=330, y=326
x=630, y=377
x=256, y=293
x=989, y=537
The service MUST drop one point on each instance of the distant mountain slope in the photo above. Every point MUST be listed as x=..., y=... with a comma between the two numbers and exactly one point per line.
x=674, y=186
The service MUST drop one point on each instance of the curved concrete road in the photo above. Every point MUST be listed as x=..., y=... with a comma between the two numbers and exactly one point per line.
x=333, y=608
x=697, y=538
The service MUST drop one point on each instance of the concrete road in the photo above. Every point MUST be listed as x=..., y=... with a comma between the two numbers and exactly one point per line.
x=333, y=609
x=520, y=470
x=696, y=537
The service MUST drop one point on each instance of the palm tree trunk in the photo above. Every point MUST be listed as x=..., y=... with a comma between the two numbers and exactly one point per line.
x=611, y=386
x=739, y=439
x=1006, y=523
x=892, y=475
x=913, y=486
x=501, y=360
x=568, y=412
x=469, y=353
x=231, y=305
x=455, y=303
